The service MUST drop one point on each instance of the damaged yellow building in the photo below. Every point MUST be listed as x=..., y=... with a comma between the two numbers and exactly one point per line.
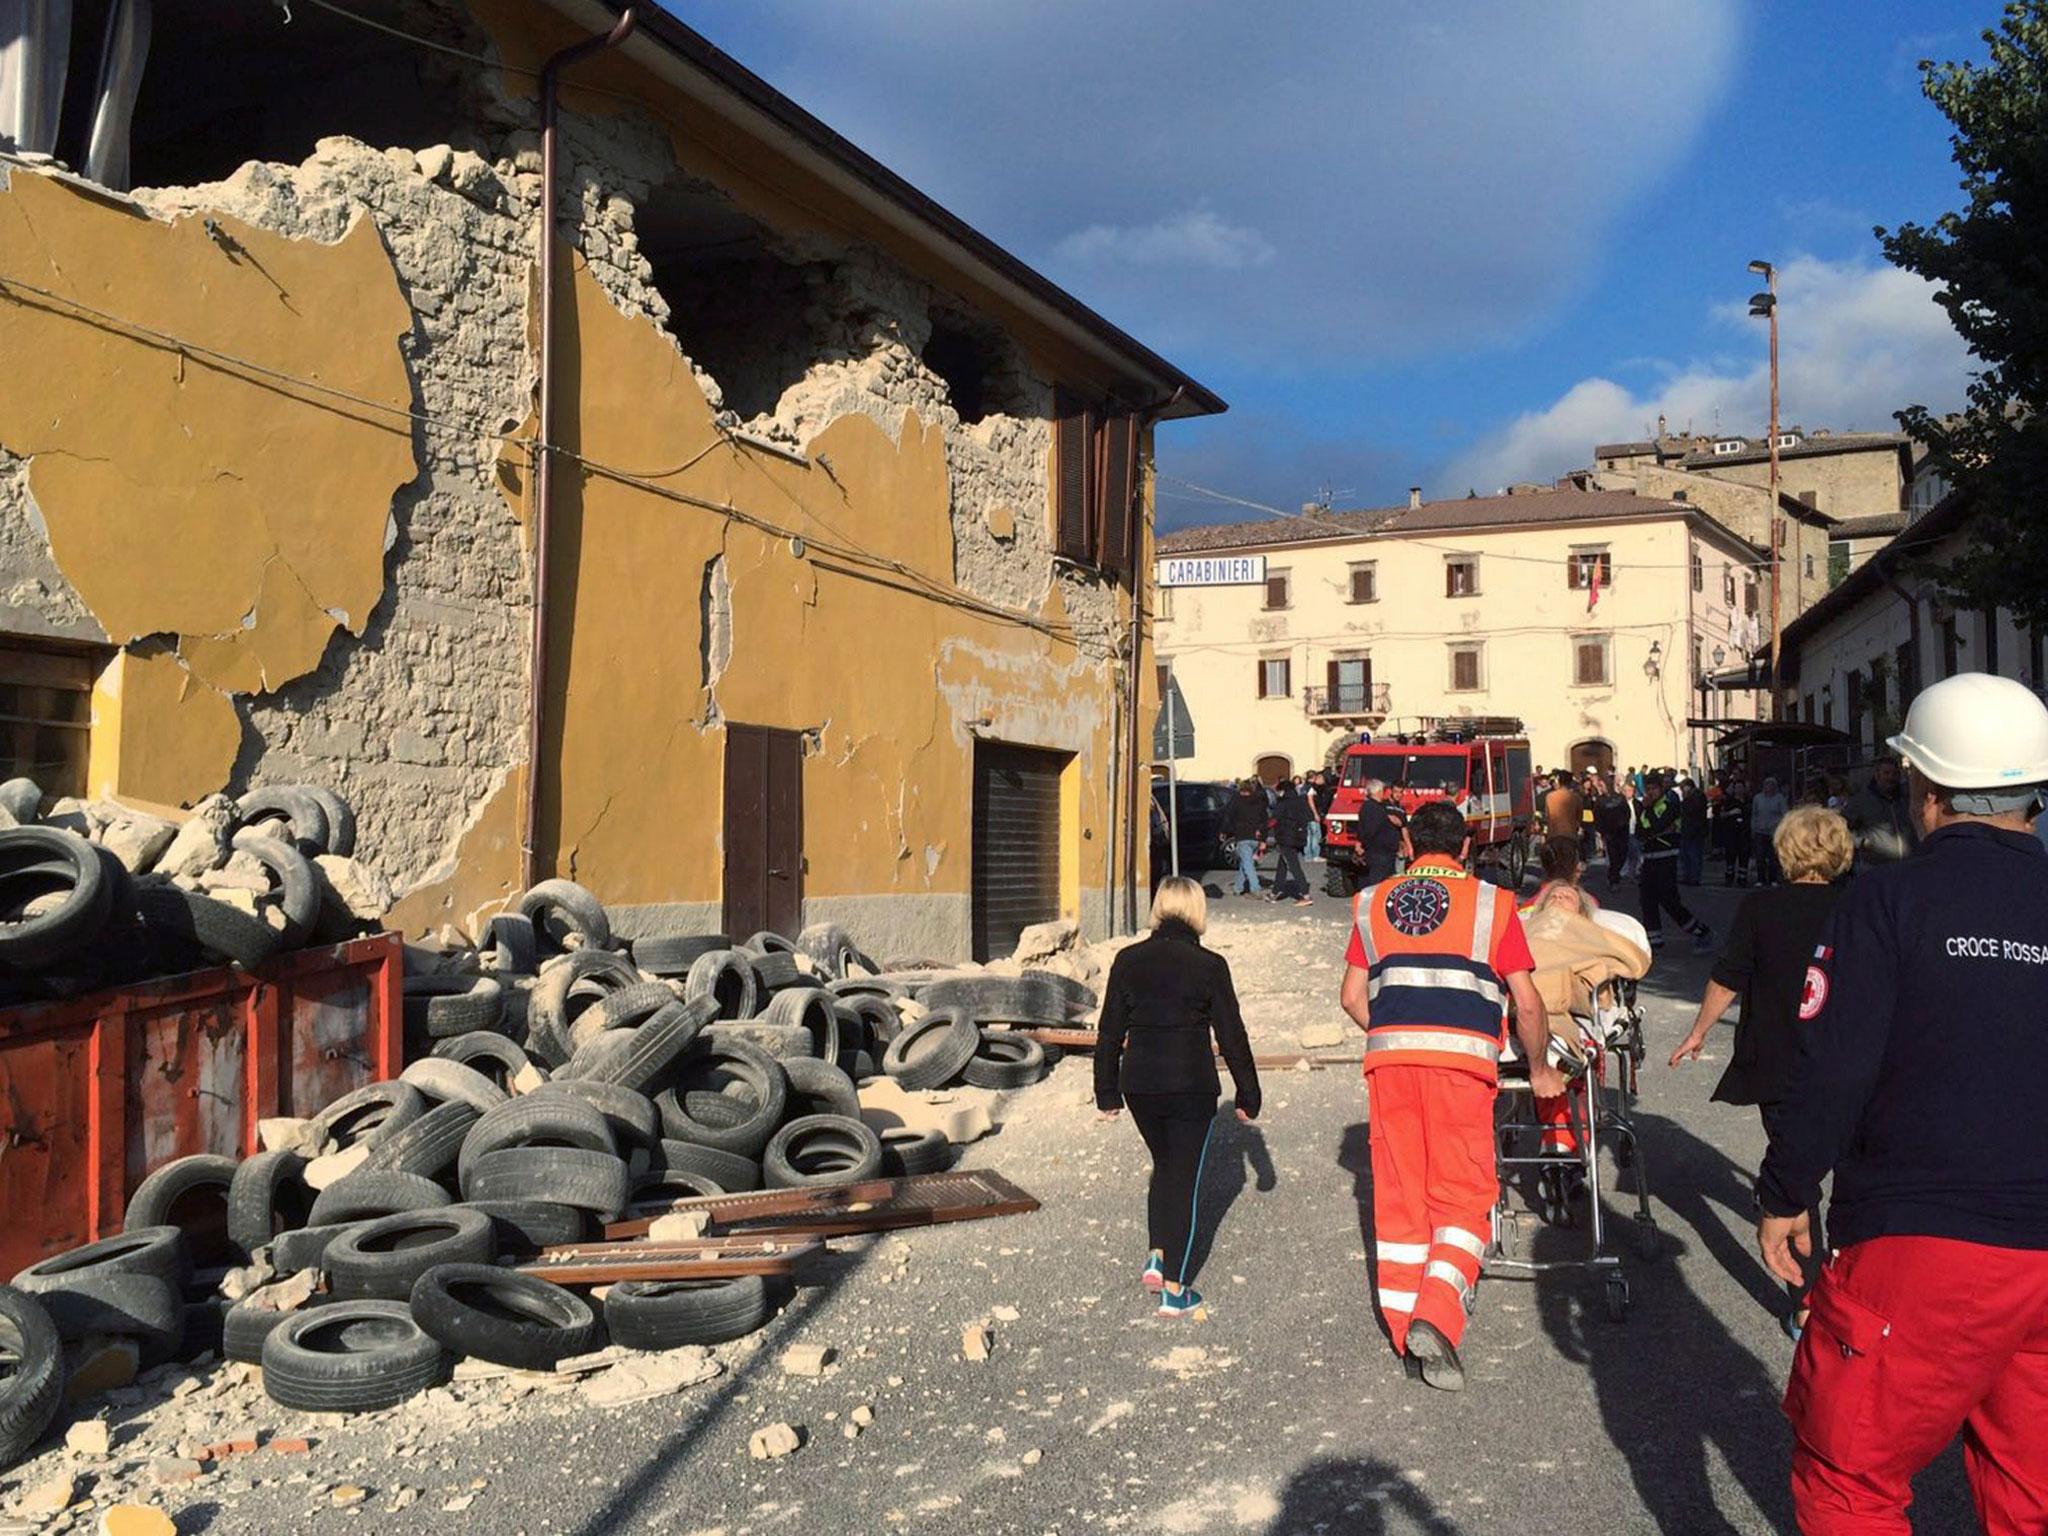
x=773, y=554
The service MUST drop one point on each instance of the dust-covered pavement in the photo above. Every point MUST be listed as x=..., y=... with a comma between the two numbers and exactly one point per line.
x=1283, y=1412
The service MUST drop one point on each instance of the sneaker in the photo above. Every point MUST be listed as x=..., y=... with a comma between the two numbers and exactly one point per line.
x=1437, y=1357
x=1183, y=1303
x=1703, y=941
x=1304, y=901
x=1656, y=941
x=1154, y=1277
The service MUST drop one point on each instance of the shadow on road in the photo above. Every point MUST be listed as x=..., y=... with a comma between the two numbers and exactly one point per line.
x=1235, y=1151
x=1354, y=1156
x=1351, y=1496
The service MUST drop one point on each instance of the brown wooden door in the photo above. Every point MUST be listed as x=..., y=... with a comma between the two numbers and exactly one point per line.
x=764, y=830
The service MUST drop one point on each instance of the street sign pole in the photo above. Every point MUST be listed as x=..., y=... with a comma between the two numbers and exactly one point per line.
x=1172, y=773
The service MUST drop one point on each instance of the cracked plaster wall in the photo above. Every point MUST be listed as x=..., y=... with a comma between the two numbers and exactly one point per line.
x=419, y=717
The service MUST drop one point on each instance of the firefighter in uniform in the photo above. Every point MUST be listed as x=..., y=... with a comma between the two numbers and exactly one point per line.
x=1435, y=955
x=1922, y=1085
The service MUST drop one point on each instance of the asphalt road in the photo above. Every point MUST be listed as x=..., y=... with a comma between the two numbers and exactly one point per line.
x=1284, y=1412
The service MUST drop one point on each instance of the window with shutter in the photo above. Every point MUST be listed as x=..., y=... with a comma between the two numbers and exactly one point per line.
x=1117, y=478
x=1074, y=478
x=1583, y=563
x=1275, y=681
x=1464, y=668
x=1699, y=572
x=1749, y=597
x=1589, y=661
x=46, y=713
x=1461, y=577
x=1279, y=589
x=1365, y=582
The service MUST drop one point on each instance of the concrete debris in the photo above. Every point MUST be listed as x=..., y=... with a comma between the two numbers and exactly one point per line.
x=202, y=843
x=284, y=1133
x=863, y=1416
x=651, y=1376
x=352, y=892
x=1032, y=1457
x=959, y=1114
x=679, y=1226
x=774, y=1441
x=286, y=1295
x=99, y=1363
x=138, y=841
x=348, y=1496
x=807, y=1359
x=51, y=1498
x=237, y=1283
x=1004, y=1314
x=977, y=1341
x=1316, y=1037
x=136, y=1520
x=458, y=1504
x=332, y=1167
x=88, y=1437
x=169, y=1471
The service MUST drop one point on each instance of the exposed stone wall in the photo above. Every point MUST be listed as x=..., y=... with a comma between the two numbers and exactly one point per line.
x=418, y=721
x=35, y=596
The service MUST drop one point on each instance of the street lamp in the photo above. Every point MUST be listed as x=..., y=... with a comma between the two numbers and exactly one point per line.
x=1765, y=306
x=1653, y=663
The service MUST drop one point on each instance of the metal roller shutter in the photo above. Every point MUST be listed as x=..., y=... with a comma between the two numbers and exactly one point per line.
x=1016, y=843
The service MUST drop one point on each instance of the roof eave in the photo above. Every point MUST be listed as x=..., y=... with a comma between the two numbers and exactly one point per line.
x=720, y=81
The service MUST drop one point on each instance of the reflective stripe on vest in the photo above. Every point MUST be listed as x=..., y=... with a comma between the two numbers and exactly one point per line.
x=1395, y=974
x=1457, y=1042
x=1428, y=937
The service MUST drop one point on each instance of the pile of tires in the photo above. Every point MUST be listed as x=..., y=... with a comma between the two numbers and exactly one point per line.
x=95, y=894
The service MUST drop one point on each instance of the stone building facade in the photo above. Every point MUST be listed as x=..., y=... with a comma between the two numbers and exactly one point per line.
x=272, y=477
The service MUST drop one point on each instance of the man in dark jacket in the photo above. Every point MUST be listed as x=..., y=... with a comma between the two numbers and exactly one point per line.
x=1613, y=817
x=1244, y=829
x=1880, y=819
x=1290, y=835
x=1380, y=826
x=1657, y=824
x=1692, y=833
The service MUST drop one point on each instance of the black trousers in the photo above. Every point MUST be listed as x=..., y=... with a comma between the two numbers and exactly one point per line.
x=1176, y=1129
x=1773, y=1118
x=1290, y=879
x=1659, y=891
x=1617, y=857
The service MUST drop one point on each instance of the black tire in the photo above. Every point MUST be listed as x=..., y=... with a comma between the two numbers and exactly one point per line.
x=506, y=1318
x=341, y=820
x=306, y=1247
x=732, y=1173
x=558, y=908
x=267, y=1195
x=598, y=1056
x=294, y=886
x=556, y=1118
x=523, y=1227
x=906, y=1151
x=861, y=1067
x=666, y=1314
x=551, y=1010
x=191, y=1194
x=728, y=979
x=491, y=1055
x=727, y=1095
x=781, y=1041
x=589, y=1181
x=656, y=1192
x=31, y=1393
x=1340, y=880
x=452, y=1005
x=350, y=1357
x=155, y=1251
x=225, y=933
x=427, y=1146
x=370, y=1114
x=819, y=1088
x=881, y=1020
x=867, y=986
x=627, y=1008
x=821, y=1149
x=23, y=800
x=1034, y=999
x=816, y=1010
x=767, y=943
x=290, y=812
x=513, y=944
x=831, y=947
x=931, y=1051
x=778, y=969
x=1005, y=1059
x=41, y=861
x=139, y=1307
x=672, y=954
x=628, y=1113
x=372, y=1192
x=245, y=1328
x=451, y=1082
x=384, y=1258
x=652, y=1050
x=202, y=1329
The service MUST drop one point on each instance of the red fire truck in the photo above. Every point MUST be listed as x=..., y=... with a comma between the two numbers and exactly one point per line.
x=1480, y=765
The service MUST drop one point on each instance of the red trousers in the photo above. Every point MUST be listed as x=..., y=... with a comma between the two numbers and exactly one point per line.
x=1910, y=1340
x=1434, y=1183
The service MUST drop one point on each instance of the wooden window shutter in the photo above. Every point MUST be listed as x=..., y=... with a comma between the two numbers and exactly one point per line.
x=1118, y=492
x=1074, y=469
x=1259, y=677
x=1332, y=683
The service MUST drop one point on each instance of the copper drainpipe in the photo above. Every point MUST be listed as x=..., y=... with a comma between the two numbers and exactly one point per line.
x=544, y=438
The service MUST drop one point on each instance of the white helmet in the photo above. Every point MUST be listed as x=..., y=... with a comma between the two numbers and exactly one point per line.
x=1976, y=731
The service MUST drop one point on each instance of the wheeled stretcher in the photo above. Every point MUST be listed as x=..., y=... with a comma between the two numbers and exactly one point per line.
x=1597, y=1042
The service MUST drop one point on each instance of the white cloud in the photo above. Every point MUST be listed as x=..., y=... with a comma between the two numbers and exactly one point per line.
x=1197, y=238
x=1279, y=187
x=1857, y=341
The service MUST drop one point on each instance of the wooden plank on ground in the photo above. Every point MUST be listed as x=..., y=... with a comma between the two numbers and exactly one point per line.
x=841, y=1210
x=696, y=1259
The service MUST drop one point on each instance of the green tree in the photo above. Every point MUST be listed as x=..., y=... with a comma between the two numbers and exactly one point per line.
x=1991, y=262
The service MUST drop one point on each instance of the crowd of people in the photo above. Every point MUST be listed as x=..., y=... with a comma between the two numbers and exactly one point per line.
x=1286, y=818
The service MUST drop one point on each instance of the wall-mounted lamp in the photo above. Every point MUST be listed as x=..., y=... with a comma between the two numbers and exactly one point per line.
x=1720, y=654
x=1653, y=664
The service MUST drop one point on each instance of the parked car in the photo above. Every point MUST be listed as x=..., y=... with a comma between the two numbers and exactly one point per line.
x=1201, y=822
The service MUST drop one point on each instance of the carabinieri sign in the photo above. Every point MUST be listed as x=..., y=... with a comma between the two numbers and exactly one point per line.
x=1212, y=571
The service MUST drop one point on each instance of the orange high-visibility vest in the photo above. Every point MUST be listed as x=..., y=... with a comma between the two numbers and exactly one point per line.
x=1434, y=997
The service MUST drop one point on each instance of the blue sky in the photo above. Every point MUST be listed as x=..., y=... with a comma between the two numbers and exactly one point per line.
x=1446, y=242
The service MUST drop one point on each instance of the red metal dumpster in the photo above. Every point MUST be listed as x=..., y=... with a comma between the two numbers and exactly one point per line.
x=97, y=1092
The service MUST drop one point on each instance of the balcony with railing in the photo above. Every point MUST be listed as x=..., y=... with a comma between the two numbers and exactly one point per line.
x=1347, y=701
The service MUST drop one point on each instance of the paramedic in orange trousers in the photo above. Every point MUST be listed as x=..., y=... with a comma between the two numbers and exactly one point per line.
x=1435, y=955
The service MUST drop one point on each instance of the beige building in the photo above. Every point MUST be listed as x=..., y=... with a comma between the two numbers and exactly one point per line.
x=1588, y=615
